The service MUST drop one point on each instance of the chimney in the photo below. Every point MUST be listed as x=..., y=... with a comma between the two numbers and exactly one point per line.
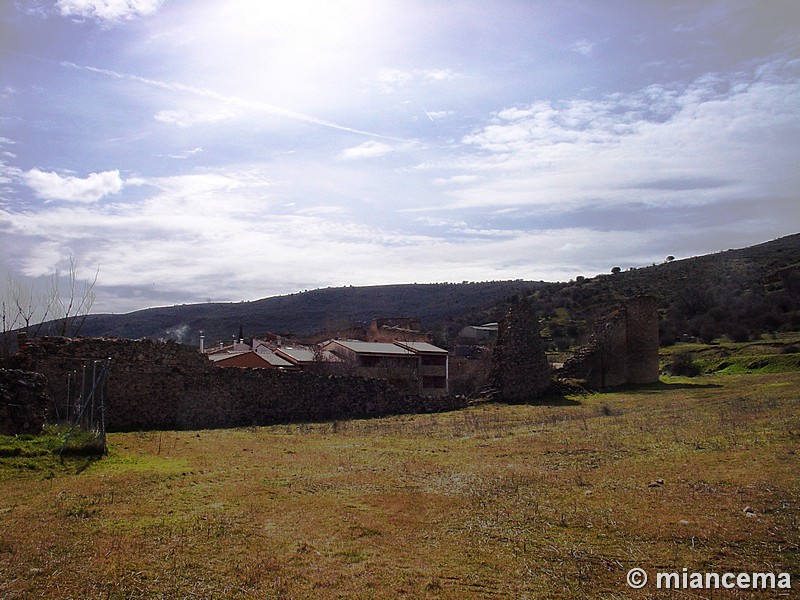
x=202, y=343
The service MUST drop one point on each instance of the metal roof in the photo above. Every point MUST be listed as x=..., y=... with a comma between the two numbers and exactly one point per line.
x=422, y=347
x=373, y=347
x=223, y=355
x=275, y=360
x=298, y=354
x=272, y=359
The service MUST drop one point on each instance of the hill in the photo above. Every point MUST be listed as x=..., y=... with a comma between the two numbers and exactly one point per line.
x=740, y=293
x=306, y=313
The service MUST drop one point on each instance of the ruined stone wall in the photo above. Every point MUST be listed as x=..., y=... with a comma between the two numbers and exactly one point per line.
x=622, y=349
x=388, y=329
x=520, y=371
x=154, y=385
x=642, y=340
x=24, y=402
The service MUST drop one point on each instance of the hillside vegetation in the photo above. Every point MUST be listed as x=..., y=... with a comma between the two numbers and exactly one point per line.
x=740, y=294
x=306, y=313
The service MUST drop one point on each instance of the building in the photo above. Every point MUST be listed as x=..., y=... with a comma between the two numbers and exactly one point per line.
x=480, y=333
x=418, y=367
x=305, y=359
x=250, y=359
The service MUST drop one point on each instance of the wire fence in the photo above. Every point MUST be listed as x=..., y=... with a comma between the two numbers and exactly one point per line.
x=85, y=408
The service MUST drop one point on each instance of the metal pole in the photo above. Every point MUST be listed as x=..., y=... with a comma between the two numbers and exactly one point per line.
x=83, y=386
x=94, y=386
x=69, y=392
x=103, y=404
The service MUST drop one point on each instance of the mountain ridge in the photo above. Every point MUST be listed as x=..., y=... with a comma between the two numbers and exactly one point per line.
x=764, y=277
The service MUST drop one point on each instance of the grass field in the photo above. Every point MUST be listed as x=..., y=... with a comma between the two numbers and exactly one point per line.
x=521, y=501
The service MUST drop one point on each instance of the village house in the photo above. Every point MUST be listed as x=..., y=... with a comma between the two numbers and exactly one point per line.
x=251, y=359
x=304, y=358
x=479, y=333
x=419, y=367
x=257, y=355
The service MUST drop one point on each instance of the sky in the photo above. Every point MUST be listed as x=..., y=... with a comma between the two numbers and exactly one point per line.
x=223, y=150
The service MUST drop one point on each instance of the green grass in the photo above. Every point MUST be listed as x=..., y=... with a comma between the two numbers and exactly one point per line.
x=47, y=453
x=780, y=354
x=524, y=501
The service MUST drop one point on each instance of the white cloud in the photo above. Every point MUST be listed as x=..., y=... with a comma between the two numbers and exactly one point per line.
x=456, y=180
x=717, y=137
x=366, y=150
x=186, y=154
x=393, y=79
x=434, y=115
x=108, y=10
x=52, y=186
x=185, y=118
x=584, y=47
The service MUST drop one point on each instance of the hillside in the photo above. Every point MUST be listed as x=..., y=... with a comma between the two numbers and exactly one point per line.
x=303, y=314
x=740, y=293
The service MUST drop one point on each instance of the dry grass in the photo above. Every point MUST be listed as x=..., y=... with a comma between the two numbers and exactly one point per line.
x=493, y=501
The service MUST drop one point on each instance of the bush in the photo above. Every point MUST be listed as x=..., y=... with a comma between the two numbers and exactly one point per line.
x=683, y=364
x=739, y=334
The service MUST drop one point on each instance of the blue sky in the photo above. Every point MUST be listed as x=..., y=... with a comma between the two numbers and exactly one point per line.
x=230, y=150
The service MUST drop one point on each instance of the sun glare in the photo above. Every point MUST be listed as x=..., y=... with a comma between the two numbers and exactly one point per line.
x=309, y=23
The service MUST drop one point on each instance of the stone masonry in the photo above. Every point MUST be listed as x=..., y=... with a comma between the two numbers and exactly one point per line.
x=24, y=402
x=520, y=371
x=622, y=349
x=155, y=385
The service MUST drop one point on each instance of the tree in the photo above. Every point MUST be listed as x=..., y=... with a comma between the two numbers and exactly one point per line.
x=71, y=304
x=616, y=270
x=30, y=304
x=670, y=258
x=22, y=305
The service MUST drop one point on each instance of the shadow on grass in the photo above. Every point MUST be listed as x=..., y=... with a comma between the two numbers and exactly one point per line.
x=81, y=463
x=664, y=386
x=551, y=399
x=558, y=400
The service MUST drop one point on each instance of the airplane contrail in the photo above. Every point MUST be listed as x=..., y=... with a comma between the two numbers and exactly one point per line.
x=230, y=100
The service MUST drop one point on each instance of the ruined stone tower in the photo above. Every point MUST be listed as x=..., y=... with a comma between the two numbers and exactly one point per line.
x=622, y=349
x=641, y=337
x=520, y=371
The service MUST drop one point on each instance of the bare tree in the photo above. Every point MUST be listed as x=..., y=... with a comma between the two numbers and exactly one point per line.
x=25, y=306
x=10, y=320
x=20, y=304
x=71, y=304
x=32, y=305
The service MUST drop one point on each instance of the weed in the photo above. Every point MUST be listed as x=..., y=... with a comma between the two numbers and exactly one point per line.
x=493, y=501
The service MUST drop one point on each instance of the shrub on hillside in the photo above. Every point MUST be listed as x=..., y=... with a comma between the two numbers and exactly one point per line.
x=683, y=364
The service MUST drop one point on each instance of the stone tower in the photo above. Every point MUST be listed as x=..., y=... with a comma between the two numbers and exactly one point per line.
x=520, y=371
x=623, y=348
x=641, y=333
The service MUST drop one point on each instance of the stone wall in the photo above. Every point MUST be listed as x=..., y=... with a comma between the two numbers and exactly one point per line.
x=622, y=349
x=24, y=402
x=166, y=385
x=520, y=371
